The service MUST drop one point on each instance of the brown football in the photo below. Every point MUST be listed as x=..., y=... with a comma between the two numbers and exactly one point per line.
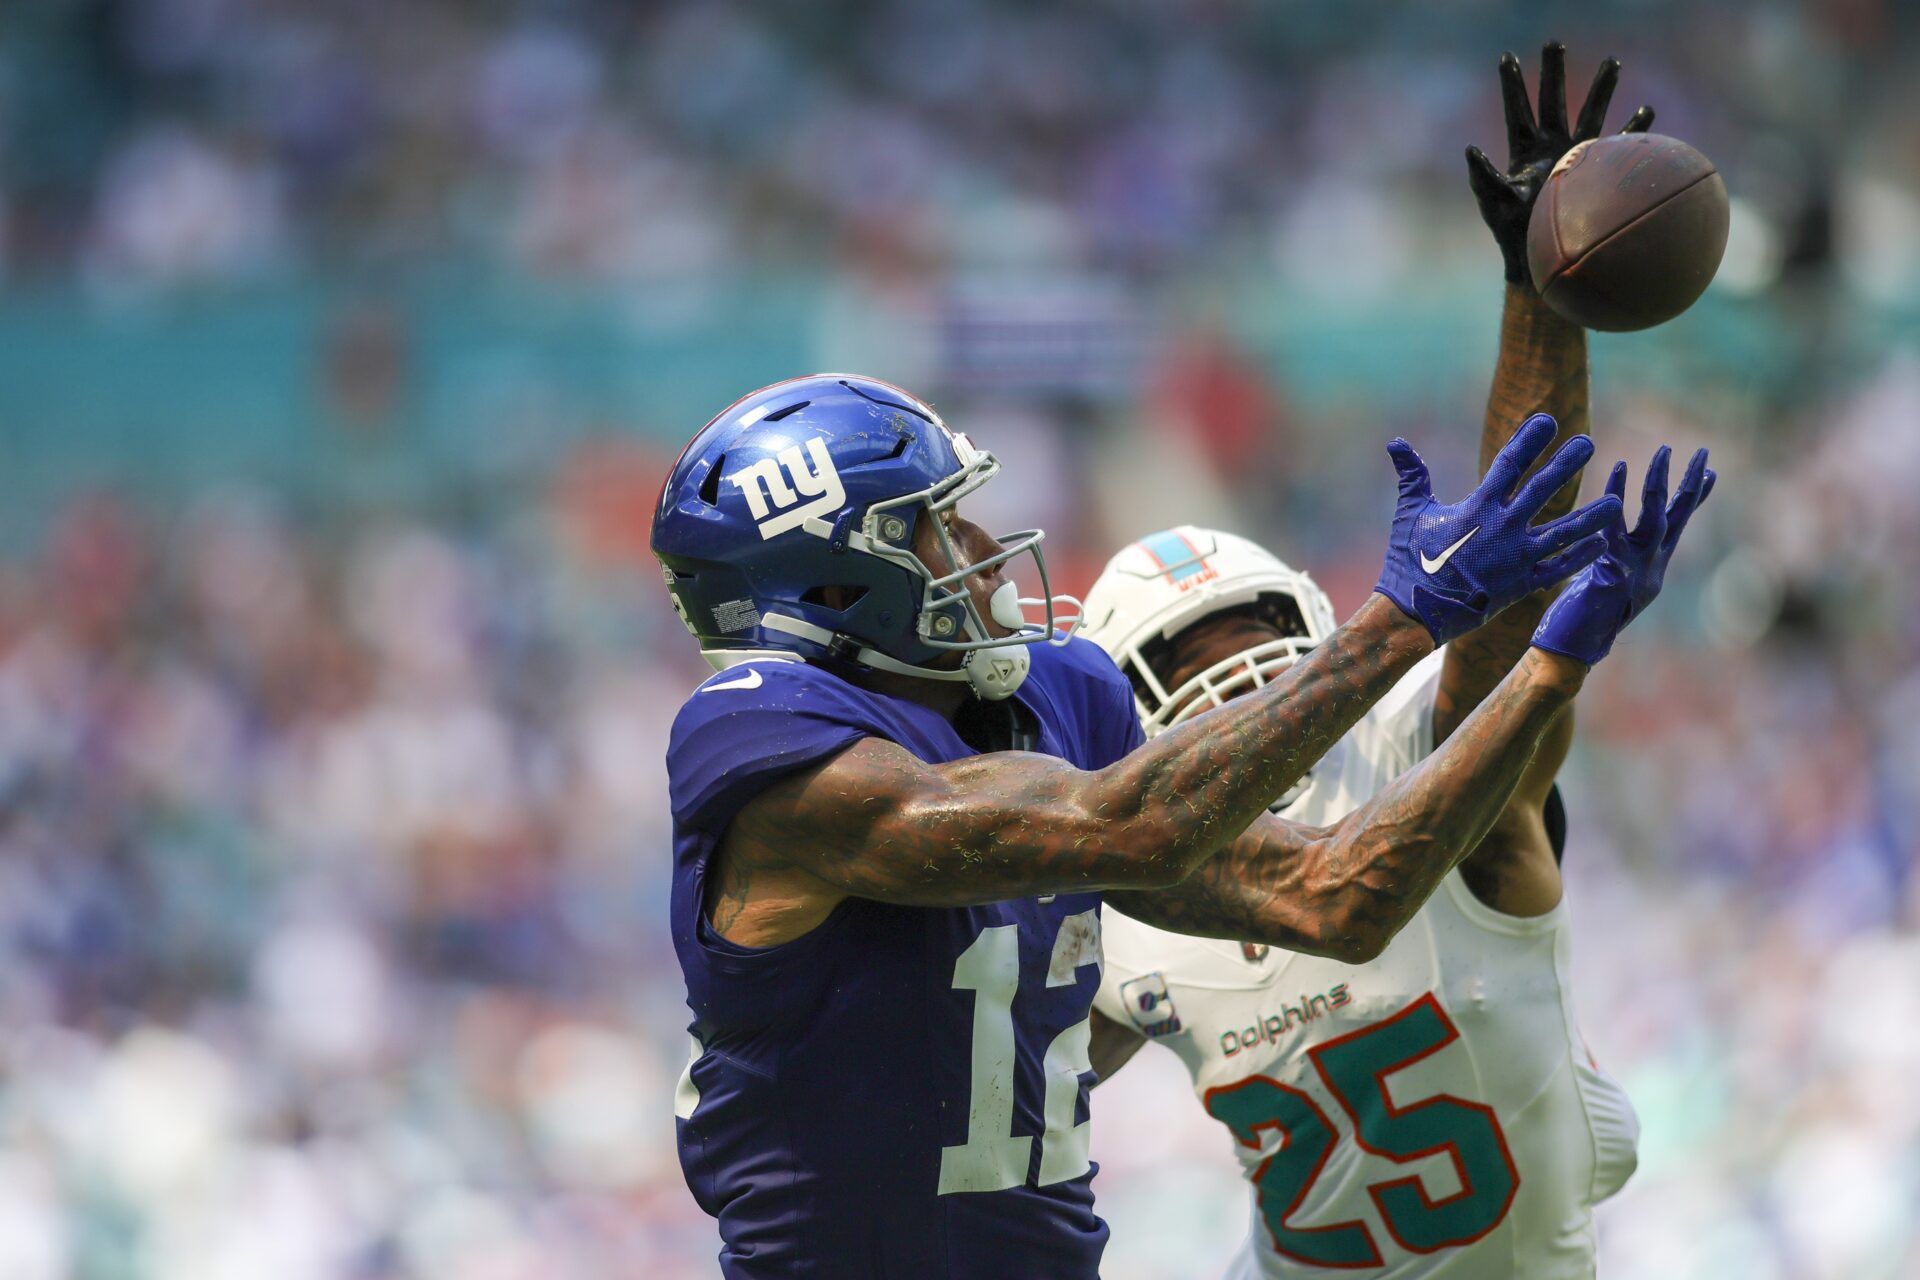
x=1628, y=231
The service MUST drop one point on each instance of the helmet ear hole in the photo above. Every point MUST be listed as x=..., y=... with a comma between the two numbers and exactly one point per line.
x=710, y=486
x=838, y=598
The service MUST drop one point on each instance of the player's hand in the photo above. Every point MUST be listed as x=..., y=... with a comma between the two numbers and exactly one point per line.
x=1453, y=567
x=1535, y=145
x=1612, y=591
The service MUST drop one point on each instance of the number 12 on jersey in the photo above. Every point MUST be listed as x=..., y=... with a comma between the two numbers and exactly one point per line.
x=993, y=1157
x=1354, y=1068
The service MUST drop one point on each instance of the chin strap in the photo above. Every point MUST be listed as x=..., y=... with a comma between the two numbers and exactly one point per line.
x=881, y=662
x=804, y=630
x=724, y=659
x=994, y=672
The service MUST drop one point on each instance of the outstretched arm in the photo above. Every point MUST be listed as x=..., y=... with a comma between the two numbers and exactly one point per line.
x=1542, y=368
x=1542, y=365
x=876, y=822
x=1344, y=891
x=1513, y=869
x=1503, y=871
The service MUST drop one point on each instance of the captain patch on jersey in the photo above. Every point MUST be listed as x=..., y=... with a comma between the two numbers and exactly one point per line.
x=1149, y=1007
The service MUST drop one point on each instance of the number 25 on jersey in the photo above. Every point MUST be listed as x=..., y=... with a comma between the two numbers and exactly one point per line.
x=1354, y=1067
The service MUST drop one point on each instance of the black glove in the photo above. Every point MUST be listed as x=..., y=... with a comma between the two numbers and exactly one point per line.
x=1534, y=147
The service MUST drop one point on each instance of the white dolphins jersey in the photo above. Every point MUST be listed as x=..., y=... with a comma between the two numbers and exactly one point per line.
x=1432, y=1113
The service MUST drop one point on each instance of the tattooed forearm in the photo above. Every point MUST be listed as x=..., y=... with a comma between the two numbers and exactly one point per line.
x=1203, y=782
x=1542, y=368
x=1345, y=891
x=876, y=822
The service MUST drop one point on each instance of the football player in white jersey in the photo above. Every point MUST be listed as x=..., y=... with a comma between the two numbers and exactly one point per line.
x=1434, y=1112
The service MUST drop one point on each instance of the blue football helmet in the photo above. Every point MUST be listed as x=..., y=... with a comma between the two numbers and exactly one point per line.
x=819, y=483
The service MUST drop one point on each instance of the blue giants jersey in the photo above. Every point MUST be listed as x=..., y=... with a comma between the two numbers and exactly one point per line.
x=900, y=1094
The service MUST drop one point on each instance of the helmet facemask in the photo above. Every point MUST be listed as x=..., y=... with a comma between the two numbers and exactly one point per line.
x=949, y=617
x=1240, y=672
x=1216, y=685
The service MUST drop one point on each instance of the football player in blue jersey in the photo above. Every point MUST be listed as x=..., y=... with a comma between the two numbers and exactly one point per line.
x=898, y=805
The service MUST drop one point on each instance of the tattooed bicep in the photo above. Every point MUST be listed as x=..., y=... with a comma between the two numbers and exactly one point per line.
x=877, y=822
x=828, y=810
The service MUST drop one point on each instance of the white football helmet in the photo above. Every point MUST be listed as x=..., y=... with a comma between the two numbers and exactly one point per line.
x=1161, y=585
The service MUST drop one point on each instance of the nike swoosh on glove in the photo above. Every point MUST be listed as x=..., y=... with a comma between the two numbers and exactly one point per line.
x=1612, y=591
x=1453, y=567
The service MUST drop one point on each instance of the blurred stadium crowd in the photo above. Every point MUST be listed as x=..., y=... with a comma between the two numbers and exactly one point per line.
x=332, y=821
x=161, y=141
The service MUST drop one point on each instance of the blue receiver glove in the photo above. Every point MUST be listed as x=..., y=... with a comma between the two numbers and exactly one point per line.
x=1453, y=567
x=1608, y=594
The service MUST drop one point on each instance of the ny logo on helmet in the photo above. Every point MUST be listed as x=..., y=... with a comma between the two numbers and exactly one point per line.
x=764, y=485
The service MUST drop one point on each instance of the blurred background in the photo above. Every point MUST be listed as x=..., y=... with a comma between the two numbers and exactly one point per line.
x=343, y=346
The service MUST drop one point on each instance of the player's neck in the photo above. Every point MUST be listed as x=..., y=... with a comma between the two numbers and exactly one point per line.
x=943, y=697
